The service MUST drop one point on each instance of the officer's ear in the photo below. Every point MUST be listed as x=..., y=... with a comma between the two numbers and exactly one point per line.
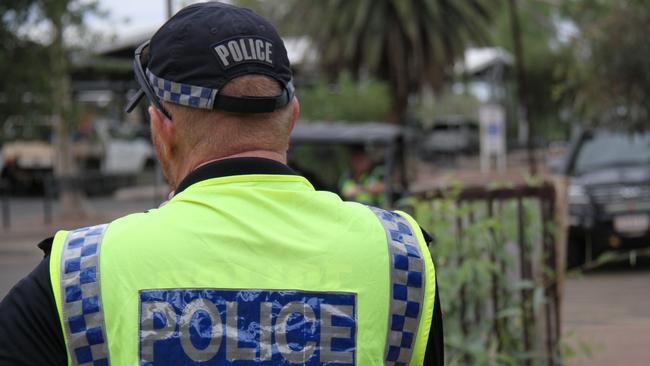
x=163, y=129
x=296, y=112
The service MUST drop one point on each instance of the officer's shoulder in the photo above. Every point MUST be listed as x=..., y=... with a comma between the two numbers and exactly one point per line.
x=46, y=245
x=428, y=238
x=139, y=220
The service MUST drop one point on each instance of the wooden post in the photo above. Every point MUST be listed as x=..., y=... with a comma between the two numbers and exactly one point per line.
x=525, y=268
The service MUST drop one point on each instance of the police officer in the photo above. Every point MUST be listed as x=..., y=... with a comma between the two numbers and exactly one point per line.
x=363, y=182
x=246, y=264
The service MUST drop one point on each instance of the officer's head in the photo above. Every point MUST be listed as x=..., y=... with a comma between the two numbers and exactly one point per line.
x=219, y=82
x=360, y=160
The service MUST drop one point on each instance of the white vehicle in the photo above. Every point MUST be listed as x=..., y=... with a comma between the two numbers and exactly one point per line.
x=115, y=155
x=125, y=152
x=450, y=136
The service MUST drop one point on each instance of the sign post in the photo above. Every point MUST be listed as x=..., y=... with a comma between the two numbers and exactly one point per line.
x=493, y=137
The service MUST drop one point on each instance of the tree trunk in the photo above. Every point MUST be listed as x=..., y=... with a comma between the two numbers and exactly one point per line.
x=397, y=115
x=64, y=166
x=522, y=84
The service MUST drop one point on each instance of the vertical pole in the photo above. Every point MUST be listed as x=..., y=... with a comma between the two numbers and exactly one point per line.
x=388, y=174
x=522, y=82
x=524, y=264
x=6, y=213
x=48, y=189
x=404, y=169
x=548, y=269
x=555, y=287
x=170, y=9
x=61, y=109
x=496, y=306
x=478, y=305
x=463, y=288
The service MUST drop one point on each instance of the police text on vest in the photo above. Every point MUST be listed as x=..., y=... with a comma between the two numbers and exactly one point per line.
x=247, y=327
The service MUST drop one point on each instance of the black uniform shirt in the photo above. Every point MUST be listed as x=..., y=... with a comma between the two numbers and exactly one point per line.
x=30, y=331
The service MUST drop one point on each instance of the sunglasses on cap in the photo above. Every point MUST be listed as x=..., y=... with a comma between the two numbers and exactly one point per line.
x=196, y=96
x=140, y=61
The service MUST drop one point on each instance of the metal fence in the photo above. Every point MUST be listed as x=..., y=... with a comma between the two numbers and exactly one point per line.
x=509, y=309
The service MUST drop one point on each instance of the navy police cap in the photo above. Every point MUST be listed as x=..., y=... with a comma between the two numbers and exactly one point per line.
x=203, y=47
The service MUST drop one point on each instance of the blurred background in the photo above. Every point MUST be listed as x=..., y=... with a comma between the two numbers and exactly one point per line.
x=515, y=131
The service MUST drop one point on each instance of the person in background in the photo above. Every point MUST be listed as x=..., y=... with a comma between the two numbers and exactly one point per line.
x=364, y=181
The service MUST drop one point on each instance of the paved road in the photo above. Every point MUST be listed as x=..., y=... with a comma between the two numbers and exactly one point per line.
x=16, y=260
x=610, y=312
x=18, y=251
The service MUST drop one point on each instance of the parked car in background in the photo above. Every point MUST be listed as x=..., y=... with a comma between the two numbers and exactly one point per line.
x=609, y=193
x=110, y=153
x=27, y=155
x=450, y=136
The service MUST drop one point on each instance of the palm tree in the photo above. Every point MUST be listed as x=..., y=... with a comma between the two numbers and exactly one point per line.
x=408, y=43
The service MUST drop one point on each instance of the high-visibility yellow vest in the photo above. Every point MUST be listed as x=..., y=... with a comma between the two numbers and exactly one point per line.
x=246, y=270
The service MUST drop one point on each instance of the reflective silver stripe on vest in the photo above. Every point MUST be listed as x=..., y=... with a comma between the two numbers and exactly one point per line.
x=80, y=297
x=407, y=273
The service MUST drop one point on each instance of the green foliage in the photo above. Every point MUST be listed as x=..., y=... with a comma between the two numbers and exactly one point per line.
x=276, y=11
x=476, y=257
x=612, y=73
x=346, y=100
x=31, y=68
x=410, y=44
x=586, y=61
x=547, y=62
x=23, y=65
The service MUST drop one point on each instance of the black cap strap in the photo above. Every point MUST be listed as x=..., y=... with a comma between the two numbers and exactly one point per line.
x=253, y=104
x=157, y=88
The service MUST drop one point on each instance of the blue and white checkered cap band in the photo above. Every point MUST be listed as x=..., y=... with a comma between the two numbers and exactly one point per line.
x=81, y=298
x=407, y=273
x=183, y=94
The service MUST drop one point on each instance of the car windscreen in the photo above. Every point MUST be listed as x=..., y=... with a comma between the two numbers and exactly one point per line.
x=610, y=149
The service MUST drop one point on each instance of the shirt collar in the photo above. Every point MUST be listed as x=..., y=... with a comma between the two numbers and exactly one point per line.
x=234, y=166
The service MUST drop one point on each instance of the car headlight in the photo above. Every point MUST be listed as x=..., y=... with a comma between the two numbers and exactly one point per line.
x=578, y=195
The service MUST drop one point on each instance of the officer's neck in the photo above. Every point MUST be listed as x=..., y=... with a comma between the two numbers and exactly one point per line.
x=188, y=166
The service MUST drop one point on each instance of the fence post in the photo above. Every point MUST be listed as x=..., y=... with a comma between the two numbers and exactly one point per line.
x=463, y=289
x=496, y=306
x=6, y=211
x=479, y=304
x=524, y=263
x=48, y=189
x=549, y=261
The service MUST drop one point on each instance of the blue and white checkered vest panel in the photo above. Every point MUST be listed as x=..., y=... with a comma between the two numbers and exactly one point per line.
x=83, y=317
x=407, y=273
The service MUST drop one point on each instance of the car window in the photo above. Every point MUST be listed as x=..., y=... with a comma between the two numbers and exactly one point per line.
x=613, y=149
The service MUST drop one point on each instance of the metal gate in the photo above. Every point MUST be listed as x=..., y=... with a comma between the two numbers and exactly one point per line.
x=496, y=249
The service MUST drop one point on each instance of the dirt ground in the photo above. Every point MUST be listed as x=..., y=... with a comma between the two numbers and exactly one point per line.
x=607, y=314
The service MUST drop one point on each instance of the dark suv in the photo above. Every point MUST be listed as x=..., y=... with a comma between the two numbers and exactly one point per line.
x=609, y=193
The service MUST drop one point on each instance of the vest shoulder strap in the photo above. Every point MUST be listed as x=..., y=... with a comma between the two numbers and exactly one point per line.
x=407, y=287
x=83, y=316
